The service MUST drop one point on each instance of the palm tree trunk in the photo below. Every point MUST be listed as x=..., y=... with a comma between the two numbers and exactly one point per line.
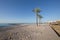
x=36, y=19
x=39, y=21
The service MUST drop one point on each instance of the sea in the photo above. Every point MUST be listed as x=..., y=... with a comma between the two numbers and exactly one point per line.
x=7, y=24
x=12, y=24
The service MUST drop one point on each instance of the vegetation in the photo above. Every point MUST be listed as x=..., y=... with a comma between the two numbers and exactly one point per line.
x=37, y=10
x=40, y=17
x=56, y=27
x=58, y=22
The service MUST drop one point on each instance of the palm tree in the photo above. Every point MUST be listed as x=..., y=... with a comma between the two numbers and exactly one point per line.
x=36, y=10
x=40, y=17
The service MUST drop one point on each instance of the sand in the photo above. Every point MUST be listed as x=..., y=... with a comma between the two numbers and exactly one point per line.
x=29, y=32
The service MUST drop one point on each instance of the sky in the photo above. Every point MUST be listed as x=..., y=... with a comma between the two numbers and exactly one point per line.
x=20, y=11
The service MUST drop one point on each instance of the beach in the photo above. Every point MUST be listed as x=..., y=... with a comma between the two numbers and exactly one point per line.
x=29, y=32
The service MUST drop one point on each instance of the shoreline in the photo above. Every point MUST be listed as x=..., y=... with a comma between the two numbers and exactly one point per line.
x=29, y=32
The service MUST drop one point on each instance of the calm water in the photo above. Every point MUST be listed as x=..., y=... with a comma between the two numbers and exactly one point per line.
x=6, y=24
x=11, y=24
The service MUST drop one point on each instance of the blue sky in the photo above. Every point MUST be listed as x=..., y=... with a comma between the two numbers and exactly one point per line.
x=20, y=11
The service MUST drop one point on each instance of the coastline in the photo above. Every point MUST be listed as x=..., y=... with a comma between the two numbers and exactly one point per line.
x=12, y=31
x=29, y=32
